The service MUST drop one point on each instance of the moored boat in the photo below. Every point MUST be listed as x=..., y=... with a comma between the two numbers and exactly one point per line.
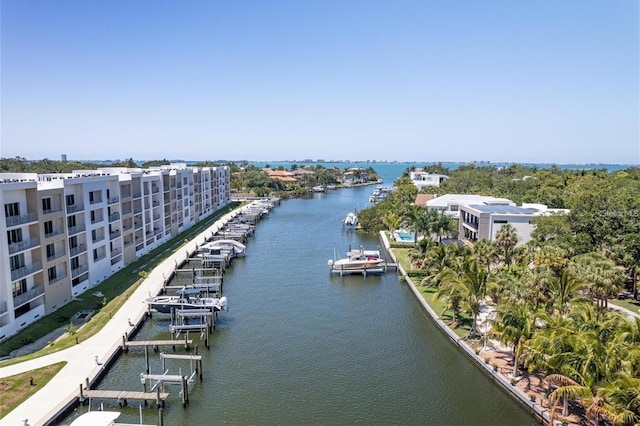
x=186, y=298
x=350, y=221
x=358, y=261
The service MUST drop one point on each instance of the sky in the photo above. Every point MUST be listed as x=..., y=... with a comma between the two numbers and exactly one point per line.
x=534, y=81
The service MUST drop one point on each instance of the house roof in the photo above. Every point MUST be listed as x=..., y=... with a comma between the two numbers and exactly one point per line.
x=421, y=199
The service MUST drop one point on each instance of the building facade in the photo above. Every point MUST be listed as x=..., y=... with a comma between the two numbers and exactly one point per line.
x=63, y=234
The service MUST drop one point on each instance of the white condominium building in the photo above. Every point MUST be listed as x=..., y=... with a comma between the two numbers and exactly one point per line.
x=62, y=234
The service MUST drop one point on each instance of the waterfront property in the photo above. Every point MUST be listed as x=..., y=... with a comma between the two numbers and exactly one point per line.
x=450, y=203
x=484, y=220
x=68, y=232
x=422, y=179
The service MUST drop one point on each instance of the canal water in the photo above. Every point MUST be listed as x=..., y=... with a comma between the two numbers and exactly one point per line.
x=300, y=346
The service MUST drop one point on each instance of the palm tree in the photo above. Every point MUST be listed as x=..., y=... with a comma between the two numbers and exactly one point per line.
x=515, y=325
x=507, y=239
x=486, y=253
x=605, y=279
x=564, y=289
x=474, y=283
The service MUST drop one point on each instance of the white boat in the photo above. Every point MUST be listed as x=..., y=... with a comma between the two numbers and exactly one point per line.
x=318, y=188
x=235, y=247
x=358, y=261
x=350, y=221
x=101, y=418
x=97, y=418
x=186, y=298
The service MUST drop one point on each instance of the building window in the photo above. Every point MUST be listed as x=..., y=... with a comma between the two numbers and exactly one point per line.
x=14, y=236
x=19, y=287
x=71, y=199
x=500, y=221
x=51, y=251
x=73, y=242
x=95, y=254
x=46, y=204
x=75, y=263
x=12, y=209
x=48, y=227
x=16, y=262
x=71, y=221
x=52, y=273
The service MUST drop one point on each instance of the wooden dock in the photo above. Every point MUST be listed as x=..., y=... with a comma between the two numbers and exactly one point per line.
x=123, y=396
x=155, y=344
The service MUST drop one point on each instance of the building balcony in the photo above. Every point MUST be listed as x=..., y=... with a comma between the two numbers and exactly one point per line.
x=80, y=269
x=55, y=256
x=27, y=296
x=58, y=277
x=98, y=238
x=22, y=219
x=53, y=233
x=116, y=252
x=114, y=234
x=25, y=271
x=137, y=195
x=74, y=208
x=113, y=200
x=113, y=217
x=76, y=229
x=96, y=220
x=24, y=245
x=51, y=211
x=75, y=251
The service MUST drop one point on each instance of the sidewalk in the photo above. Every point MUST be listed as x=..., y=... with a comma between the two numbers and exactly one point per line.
x=63, y=389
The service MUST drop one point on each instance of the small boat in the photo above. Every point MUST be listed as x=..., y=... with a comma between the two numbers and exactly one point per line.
x=318, y=188
x=97, y=418
x=358, y=261
x=350, y=222
x=186, y=298
x=215, y=247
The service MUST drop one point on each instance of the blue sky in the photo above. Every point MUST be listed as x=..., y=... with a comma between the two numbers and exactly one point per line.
x=425, y=80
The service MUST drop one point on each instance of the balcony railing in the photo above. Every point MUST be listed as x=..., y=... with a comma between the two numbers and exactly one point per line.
x=58, y=277
x=114, y=234
x=52, y=210
x=113, y=200
x=21, y=219
x=80, y=269
x=73, y=208
x=53, y=233
x=114, y=216
x=96, y=220
x=76, y=229
x=24, y=245
x=55, y=255
x=116, y=252
x=97, y=238
x=20, y=273
x=77, y=250
x=28, y=295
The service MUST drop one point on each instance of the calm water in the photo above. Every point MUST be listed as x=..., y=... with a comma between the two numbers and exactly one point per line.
x=302, y=347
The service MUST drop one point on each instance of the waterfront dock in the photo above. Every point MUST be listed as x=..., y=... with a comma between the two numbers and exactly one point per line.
x=90, y=359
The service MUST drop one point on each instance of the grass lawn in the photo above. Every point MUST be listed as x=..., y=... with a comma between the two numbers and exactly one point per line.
x=16, y=389
x=630, y=304
x=464, y=320
x=115, y=290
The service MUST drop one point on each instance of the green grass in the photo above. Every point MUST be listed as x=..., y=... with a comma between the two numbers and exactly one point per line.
x=464, y=321
x=115, y=289
x=18, y=388
x=630, y=304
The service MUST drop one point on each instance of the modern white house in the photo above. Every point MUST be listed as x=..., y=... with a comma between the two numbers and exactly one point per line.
x=450, y=203
x=423, y=179
x=484, y=220
x=65, y=233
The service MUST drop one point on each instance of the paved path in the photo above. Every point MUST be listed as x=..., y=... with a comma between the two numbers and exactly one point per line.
x=81, y=359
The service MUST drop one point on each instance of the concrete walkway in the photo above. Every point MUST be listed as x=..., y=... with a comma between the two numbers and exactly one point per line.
x=64, y=388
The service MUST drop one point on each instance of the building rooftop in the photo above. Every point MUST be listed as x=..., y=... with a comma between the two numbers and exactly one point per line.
x=500, y=209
